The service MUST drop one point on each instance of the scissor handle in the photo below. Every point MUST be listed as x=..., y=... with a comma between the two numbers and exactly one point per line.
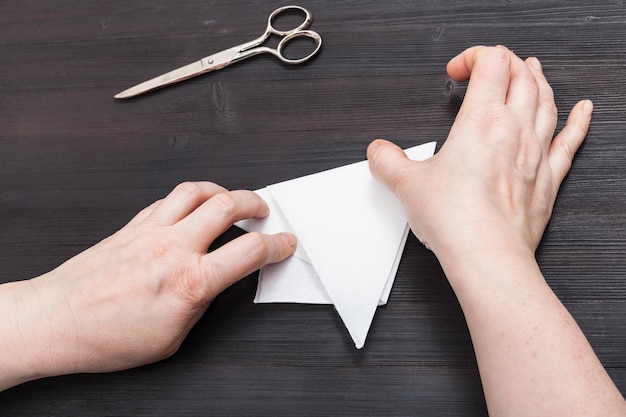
x=252, y=48
x=298, y=34
x=304, y=25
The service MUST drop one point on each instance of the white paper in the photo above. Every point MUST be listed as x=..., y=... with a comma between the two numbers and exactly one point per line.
x=351, y=231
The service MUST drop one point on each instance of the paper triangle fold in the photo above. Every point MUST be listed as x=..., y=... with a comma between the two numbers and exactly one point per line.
x=351, y=231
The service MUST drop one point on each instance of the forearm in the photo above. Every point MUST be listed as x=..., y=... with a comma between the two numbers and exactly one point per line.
x=532, y=356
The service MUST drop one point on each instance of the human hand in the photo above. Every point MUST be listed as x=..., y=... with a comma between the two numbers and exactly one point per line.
x=493, y=185
x=132, y=298
x=482, y=204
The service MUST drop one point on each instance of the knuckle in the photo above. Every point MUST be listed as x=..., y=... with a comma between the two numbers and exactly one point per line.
x=259, y=247
x=567, y=150
x=499, y=52
x=226, y=204
x=549, y=94
x=551, y=108
x=530, y=79
x=190, y=190
x=189, y=285
x=160, y=251
x=529, y=159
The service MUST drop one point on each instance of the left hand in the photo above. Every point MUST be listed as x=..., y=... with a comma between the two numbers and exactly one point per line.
x=132, y=298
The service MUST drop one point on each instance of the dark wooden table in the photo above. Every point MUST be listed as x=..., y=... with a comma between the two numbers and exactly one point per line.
x=75, y=165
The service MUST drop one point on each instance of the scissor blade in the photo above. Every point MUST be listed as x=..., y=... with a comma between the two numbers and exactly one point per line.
x=207, y=64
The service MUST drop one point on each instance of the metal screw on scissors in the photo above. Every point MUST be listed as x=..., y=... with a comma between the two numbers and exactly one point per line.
x=235, y=54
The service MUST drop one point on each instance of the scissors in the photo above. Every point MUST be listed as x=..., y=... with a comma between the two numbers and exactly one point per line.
x=235, y=54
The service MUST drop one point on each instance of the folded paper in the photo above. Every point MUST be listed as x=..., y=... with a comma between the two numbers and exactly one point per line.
x=351, y=232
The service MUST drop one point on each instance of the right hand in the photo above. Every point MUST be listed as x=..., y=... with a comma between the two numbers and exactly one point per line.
x=494, y=182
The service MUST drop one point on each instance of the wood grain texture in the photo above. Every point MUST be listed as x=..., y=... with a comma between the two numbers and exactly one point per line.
x=75, y=165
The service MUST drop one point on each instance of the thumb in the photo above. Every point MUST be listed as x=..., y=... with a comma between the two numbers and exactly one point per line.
x=386, y=162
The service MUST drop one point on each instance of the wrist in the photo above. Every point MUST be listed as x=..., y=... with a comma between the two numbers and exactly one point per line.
x=17, y=361
x=33, y=346
x=476, y=274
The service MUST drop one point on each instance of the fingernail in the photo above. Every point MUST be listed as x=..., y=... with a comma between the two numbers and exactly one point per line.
x=290, y=239
x=534, y=61
x=588, y=107
x=372, y=148
x=374, y=145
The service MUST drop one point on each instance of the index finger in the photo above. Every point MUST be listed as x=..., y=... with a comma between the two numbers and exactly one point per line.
x=218, y=213
x=488, y=70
